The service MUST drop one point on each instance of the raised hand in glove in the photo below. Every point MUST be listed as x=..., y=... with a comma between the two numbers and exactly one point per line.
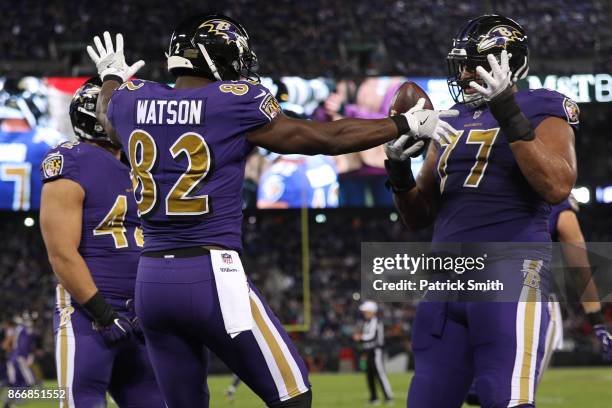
x=498, y=80
x=110, y=60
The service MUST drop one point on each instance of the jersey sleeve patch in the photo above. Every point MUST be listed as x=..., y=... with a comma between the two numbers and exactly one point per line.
x=544, y=103
x=52, y=166
x=60, y=163
x=572, y=111
x=270, y=107
x=249, y=105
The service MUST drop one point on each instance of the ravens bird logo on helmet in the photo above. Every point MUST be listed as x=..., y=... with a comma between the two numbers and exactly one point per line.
x=221, y=28
x=213, y=46
x=499, y=37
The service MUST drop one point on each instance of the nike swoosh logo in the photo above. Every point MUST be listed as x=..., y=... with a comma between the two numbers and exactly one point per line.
x=423, y=122
x=263, y=93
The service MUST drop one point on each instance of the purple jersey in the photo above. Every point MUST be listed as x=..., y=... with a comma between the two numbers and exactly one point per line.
x=23, y=340
x=484, y=195
x=187, y=149
x=111, y=238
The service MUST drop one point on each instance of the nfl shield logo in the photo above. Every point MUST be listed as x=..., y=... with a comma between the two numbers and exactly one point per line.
x=227, y=258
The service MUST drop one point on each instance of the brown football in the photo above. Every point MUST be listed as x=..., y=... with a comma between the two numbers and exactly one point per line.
x=406, y=96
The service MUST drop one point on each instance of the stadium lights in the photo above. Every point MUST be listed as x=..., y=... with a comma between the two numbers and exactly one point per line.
x=28, y=222
x=393, y=217
x=320, y=218
x=582, y=194
x=603, y=194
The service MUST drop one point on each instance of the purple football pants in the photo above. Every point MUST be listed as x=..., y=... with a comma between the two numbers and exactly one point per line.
x=19, y=373
x=178, y=306
x=88, y=368
x=499, y=345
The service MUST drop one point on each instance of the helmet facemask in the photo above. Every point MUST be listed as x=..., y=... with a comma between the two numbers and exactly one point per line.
x=83, y=114
x=478, y=38
x=457, y=85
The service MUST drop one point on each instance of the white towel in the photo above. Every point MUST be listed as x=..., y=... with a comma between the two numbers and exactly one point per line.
x=233, y=291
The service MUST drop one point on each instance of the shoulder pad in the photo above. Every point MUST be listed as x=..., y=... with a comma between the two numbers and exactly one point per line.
x=538, y=104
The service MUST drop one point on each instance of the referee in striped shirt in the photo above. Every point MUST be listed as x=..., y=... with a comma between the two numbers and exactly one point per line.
x=372, y=339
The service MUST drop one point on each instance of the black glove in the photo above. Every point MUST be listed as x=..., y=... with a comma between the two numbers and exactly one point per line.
x=112, y=327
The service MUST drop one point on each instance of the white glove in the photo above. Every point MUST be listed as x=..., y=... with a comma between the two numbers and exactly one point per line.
x=110, y=60
x=426, y=123
x=498, y=80
x=403, y=147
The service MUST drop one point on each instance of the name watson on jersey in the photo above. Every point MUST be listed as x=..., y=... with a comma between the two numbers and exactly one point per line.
x=424, y=284
x=165, y=112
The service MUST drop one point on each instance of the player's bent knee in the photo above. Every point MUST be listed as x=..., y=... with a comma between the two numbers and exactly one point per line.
x=301, y=401
x=491, y=396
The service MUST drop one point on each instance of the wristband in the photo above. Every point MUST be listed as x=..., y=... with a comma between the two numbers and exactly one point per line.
x=99, y=310
x=402, y=124
x=400, y=175
x=595, y=318
x=112, y=77
x=511, y=120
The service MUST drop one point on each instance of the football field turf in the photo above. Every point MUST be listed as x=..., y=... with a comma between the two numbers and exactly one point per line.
x=560, y=388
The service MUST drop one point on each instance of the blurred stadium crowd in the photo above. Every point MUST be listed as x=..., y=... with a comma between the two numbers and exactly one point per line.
x=28, y=285
x=306, y=38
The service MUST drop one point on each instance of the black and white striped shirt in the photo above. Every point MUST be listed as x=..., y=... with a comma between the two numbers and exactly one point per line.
x=373, y=335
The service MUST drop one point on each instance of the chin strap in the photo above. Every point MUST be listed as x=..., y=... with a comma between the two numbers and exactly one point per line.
x=209, y=61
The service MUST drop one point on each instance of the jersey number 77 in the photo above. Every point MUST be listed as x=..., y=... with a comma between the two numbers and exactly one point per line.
x=143, y=154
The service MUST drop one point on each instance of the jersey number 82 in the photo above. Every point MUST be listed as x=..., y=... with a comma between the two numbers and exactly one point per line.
x=143, y=157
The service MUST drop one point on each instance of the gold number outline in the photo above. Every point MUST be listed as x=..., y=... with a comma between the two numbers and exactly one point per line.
x=138, y=237
x=236, y=89
x=175, y=194
x=113, y=222
x=20, y=174
x=443, y=162
x=486, y=139
x=486, y=146
x=130, y=85
x=136, y=171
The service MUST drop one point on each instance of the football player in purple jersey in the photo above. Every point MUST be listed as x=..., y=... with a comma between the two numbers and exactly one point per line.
x=187, y=146
x=93, y=239
x=493, y=181
x=564, y=228
x=20, y=358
